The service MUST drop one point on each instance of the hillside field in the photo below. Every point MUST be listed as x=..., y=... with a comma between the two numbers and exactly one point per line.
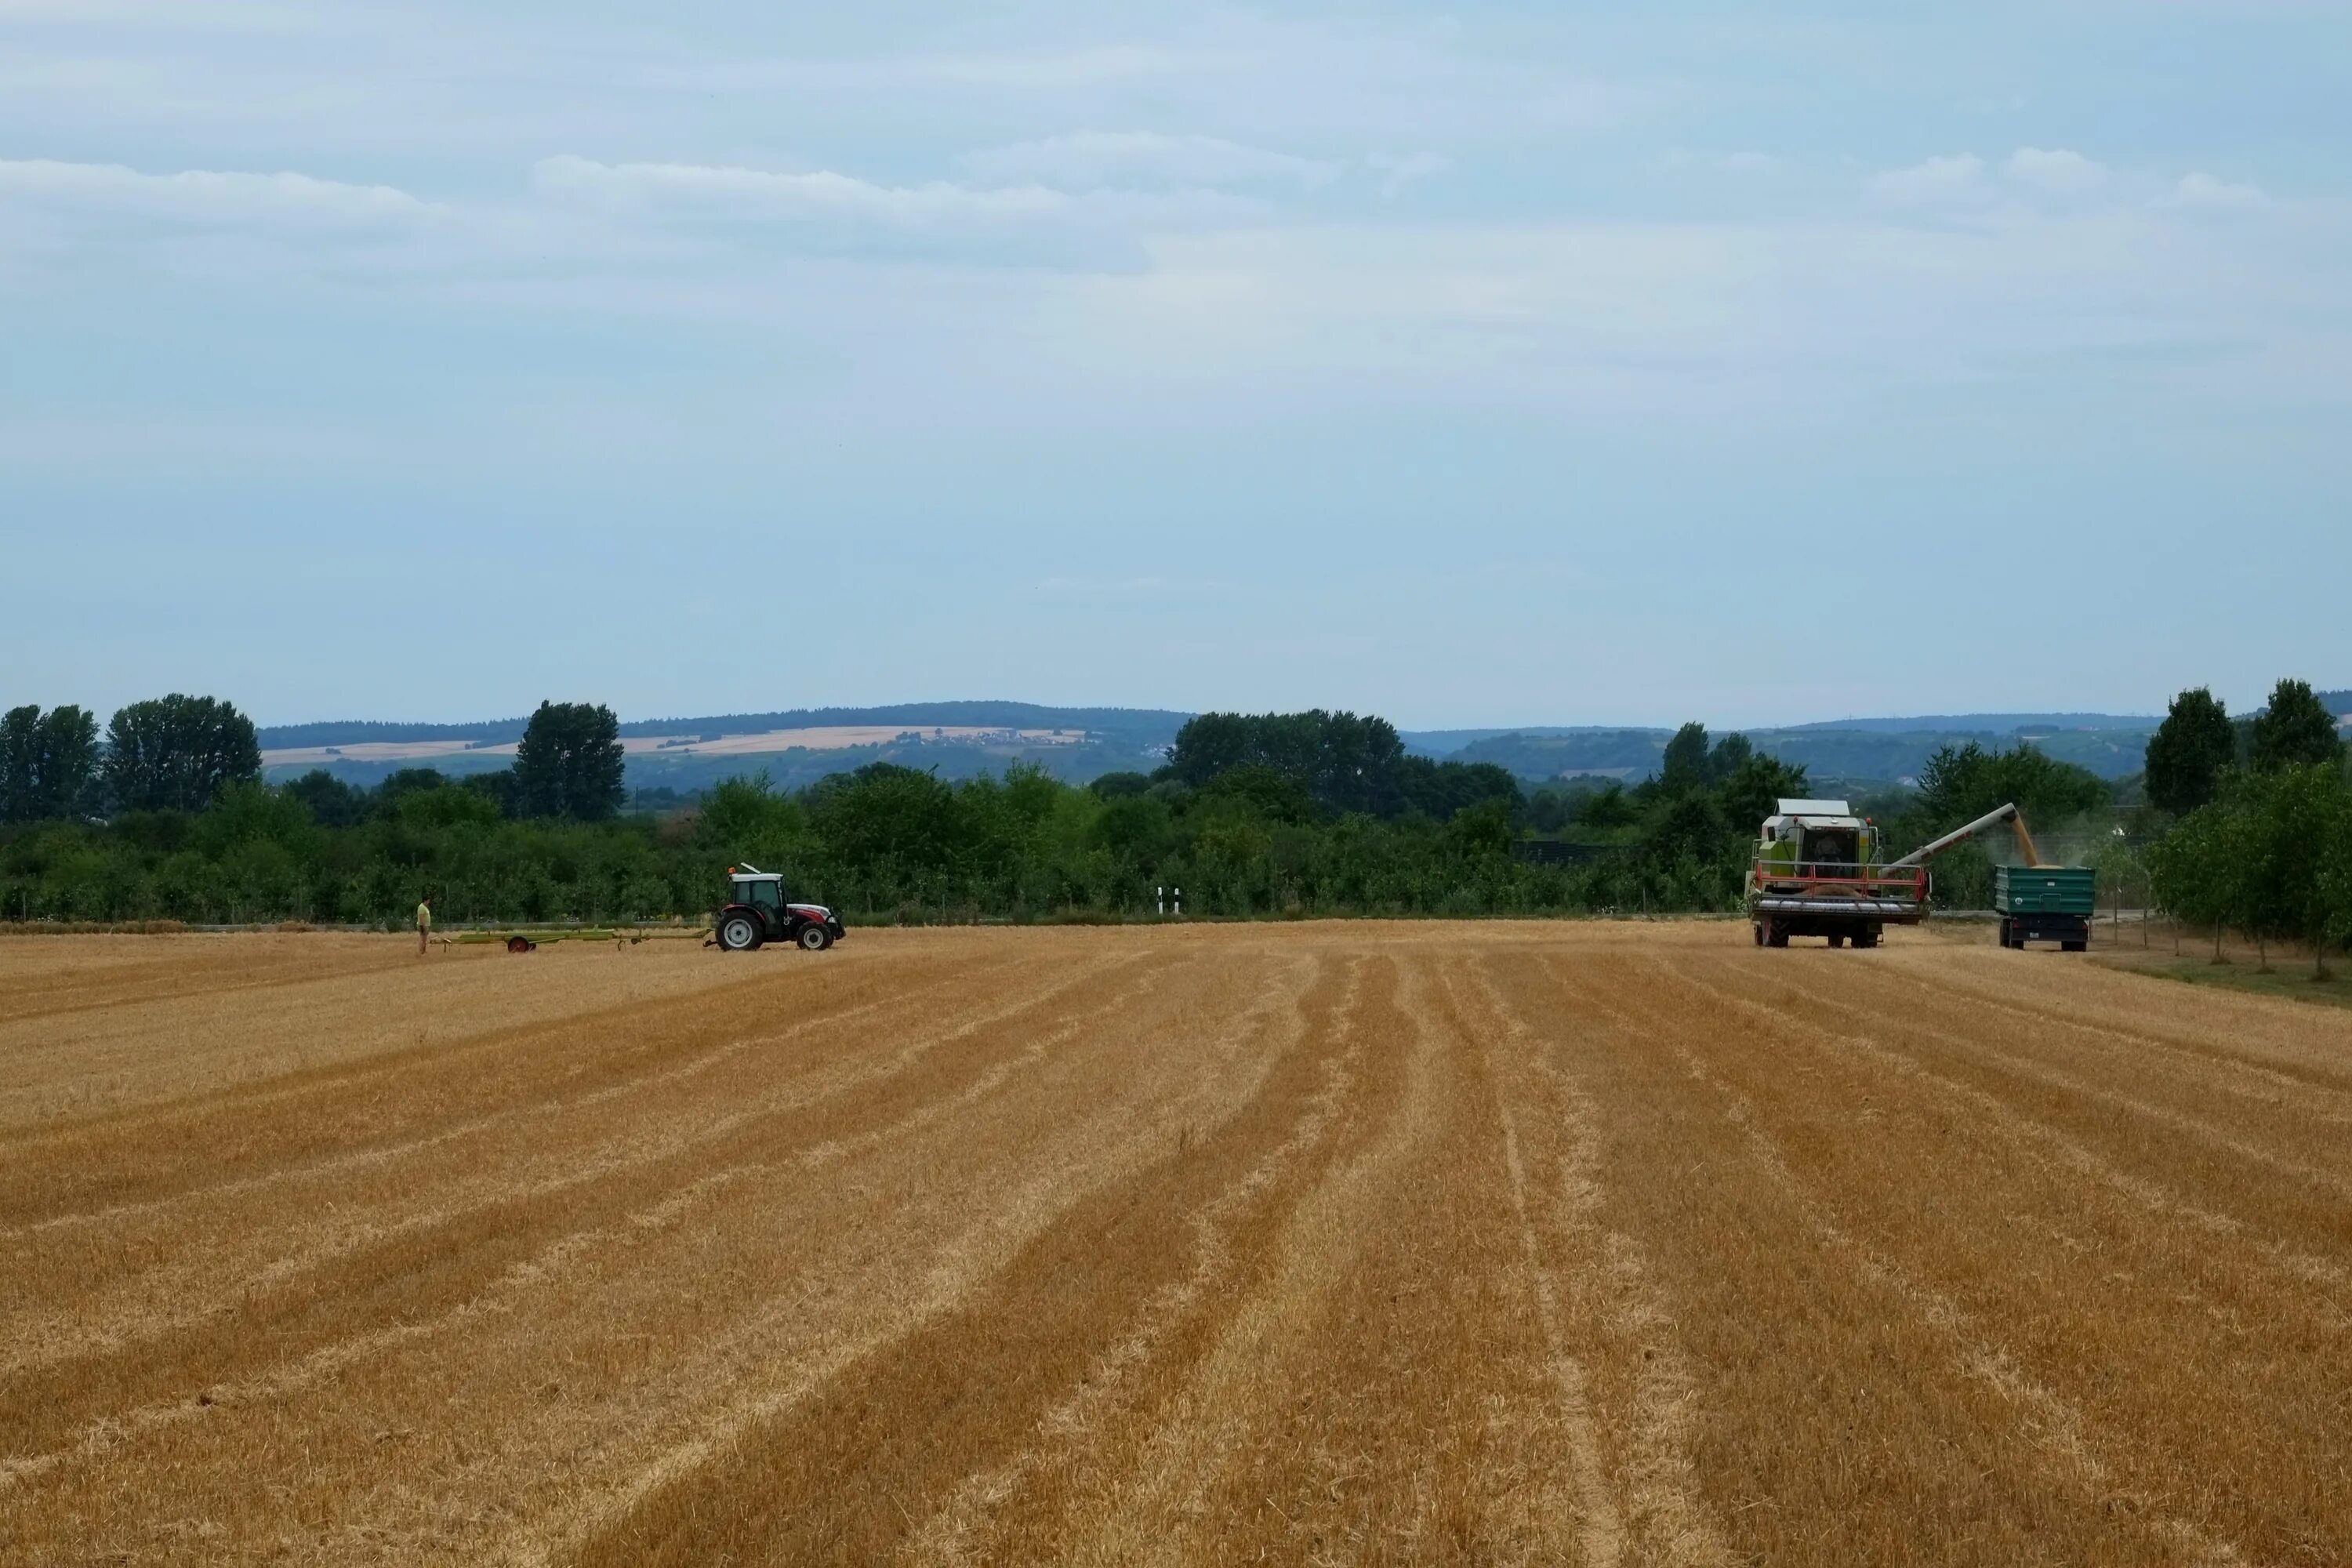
x=1588, y=1243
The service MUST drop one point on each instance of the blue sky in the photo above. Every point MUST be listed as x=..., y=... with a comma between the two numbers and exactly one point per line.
x=1500, y=363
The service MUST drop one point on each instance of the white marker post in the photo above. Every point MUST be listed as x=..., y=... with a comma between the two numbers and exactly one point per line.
x=1159, y=904
x=1179, y=903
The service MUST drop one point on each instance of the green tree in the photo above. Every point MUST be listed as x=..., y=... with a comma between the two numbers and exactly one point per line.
x=2298, y=817
x=20, y=730
x=1117, y=787
x=2187, y=754
x=1730, y=754
x=48, y=763
x=1962, y=782
x=2296, y=730
x=1345, y=761
x=569, y=762
x=1607, y=807
x=1685, y=765
x=331, y=802
x=2194, y=871
x=67, y=762
x=174, y=753
x=1754, y=789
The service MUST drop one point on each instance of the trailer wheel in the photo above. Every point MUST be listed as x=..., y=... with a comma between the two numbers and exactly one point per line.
x=814, y=938
x=2004, y=936
x=2075, y=946
x=739, y=934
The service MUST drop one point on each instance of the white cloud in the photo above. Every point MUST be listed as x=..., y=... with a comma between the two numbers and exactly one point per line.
x=1089, y=159
x=1937, y=182
x=2201, y=190
x=204, y=198
x=699, y=190
x=1409, y=169
x=825, y=210
x=2058, y=172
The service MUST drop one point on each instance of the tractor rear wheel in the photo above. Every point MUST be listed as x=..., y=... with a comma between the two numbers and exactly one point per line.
x=739, y=934
x=815, y=938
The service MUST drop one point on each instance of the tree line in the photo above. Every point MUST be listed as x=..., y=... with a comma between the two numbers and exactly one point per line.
x=165, y=816
x=1314, y=813
x=2261, y=840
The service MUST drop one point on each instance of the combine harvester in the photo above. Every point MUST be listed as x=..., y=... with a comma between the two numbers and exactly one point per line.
x=1817, y=873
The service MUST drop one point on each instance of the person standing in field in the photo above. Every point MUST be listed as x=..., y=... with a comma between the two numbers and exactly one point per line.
x=424, y=922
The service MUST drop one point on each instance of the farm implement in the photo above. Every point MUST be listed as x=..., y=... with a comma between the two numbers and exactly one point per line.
x=1817, y=872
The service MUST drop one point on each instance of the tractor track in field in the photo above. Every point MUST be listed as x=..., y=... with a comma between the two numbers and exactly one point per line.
x=413, y=1270
x=1596, y=1244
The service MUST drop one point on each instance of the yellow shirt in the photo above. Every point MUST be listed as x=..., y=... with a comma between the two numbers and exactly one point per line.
x=425, y=917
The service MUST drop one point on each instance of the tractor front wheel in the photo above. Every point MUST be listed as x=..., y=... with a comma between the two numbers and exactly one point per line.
x=739, y=934
x=1777, y=936
x=815, y=938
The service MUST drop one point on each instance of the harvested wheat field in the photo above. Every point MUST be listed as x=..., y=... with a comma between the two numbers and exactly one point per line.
x=1588, y=1244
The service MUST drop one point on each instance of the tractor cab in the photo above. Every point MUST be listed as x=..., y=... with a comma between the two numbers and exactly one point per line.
x=758, y=910
x=763, y=890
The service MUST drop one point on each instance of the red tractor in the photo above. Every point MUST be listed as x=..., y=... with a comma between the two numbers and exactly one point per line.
x=758, y=912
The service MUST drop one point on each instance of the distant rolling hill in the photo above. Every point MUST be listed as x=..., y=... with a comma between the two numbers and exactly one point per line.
x=798, y=746
x=1837, y=752
x=794, y=747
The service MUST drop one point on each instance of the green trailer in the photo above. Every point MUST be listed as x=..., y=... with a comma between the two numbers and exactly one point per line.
x=2045, y=903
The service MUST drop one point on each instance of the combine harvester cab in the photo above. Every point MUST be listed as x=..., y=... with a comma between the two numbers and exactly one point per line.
x=1817, y=874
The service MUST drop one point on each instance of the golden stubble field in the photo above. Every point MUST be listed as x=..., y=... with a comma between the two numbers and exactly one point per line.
x=1380, y=1243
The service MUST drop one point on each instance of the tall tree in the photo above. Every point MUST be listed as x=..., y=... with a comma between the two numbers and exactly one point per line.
x=64, y=761
x=20, y=731
x=2295, y=731
x=2189, y=751
x=1345, y=761
x=173, y=754
x=569, y=762
x=1685, y=761
x=1960, y=782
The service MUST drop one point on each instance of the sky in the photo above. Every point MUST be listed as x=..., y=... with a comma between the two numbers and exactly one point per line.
x=1499, y=363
